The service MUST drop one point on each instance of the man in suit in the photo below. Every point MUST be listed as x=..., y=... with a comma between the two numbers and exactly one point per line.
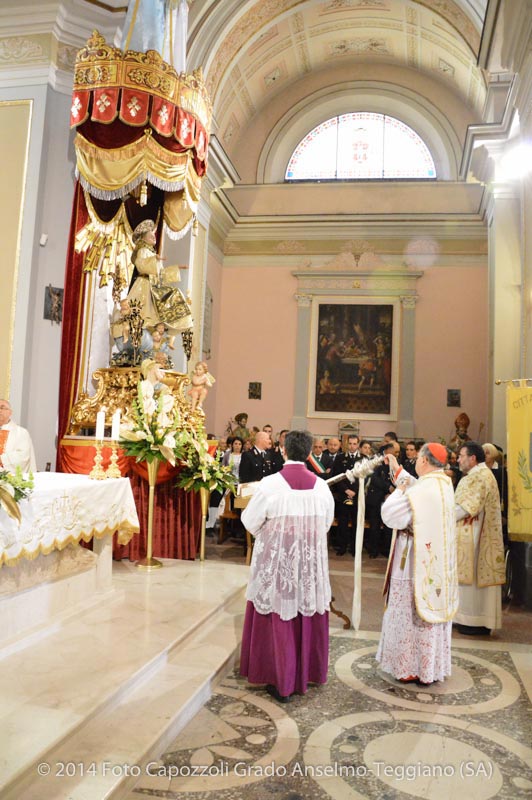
x=315, y=460
x=260, y=461
x=345, y=497
x=331, y=454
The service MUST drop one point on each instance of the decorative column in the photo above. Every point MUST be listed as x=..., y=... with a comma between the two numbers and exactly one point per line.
x=505, y=304
x=304, y=305
x=405, y=420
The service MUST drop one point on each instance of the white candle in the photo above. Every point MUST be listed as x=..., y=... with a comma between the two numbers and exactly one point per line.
x=115, y=428
x=100, y=425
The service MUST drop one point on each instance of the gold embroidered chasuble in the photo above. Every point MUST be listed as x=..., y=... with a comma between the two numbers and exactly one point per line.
x=431, y=499
x=477, y=493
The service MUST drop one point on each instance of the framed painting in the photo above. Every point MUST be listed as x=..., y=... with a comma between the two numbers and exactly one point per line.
x=354, y=358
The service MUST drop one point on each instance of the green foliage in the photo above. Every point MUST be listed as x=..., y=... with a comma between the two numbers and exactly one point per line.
x=16, y=484
x=204, y=471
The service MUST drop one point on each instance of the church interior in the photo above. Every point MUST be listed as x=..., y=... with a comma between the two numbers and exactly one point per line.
x=330, y=283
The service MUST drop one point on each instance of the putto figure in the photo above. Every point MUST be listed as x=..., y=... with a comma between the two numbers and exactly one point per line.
x=202, y=381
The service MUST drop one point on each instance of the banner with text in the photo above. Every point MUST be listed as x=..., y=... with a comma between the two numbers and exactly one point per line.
x=519, y=421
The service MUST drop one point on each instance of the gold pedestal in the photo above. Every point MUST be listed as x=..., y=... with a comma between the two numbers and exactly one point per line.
x=204, y=497
x=149, y=563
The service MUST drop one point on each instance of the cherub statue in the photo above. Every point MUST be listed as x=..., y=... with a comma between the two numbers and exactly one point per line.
x=160, y=350
x=202, y=381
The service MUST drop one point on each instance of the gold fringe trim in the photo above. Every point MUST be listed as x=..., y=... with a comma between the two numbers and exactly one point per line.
x=125, y=532
x=145, y=143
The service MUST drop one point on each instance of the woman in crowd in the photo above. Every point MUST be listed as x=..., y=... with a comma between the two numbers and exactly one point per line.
x=232, y=457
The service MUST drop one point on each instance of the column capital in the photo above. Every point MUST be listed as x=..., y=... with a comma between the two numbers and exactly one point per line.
x=303, y=300
x=409, y=300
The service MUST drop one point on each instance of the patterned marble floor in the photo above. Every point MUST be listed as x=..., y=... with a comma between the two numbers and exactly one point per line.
x=363, y=734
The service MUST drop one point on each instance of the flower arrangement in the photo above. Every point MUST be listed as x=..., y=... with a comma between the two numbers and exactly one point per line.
x=150, y=430
x=204, y=471
x=14, y=487
x=153, y=430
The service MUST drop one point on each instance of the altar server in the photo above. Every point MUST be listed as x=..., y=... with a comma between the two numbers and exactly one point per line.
x=285, y=642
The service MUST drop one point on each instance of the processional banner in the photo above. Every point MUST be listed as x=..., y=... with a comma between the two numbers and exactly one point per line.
x=519, y=424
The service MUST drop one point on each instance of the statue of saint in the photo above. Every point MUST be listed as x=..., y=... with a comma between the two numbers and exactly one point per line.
x=160, y=303
x=241, y=430
x=461, y=435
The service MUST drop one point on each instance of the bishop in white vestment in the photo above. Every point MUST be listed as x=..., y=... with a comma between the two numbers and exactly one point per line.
x=421, y=579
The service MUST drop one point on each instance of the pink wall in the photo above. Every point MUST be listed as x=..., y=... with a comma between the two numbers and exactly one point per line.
x=451, y=349
x=257, y=343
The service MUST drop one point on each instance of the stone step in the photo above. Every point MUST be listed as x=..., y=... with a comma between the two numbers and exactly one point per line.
x=113, y=687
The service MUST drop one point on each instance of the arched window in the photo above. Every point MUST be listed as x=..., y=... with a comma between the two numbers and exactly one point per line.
x=361, y=146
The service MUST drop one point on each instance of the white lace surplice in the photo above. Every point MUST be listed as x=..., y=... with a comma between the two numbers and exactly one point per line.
x=409, y=645
x=289, y=569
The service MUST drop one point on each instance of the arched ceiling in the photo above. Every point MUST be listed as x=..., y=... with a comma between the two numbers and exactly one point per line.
x=252, y=50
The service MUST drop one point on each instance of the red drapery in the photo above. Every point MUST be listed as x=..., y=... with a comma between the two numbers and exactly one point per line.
x=73, y=305
x=176, y=522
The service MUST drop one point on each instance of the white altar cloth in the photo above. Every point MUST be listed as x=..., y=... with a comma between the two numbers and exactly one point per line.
x=64, y=509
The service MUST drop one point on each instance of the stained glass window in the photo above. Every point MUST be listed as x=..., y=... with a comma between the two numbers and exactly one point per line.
x=361, y=146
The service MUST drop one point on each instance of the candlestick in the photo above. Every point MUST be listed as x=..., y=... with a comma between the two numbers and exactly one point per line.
x=113, y=470
x=100, y=425
x=115, y=427
x=97, y=473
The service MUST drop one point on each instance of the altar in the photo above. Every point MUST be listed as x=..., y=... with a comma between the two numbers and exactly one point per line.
x=44, y=573
x=67, y=509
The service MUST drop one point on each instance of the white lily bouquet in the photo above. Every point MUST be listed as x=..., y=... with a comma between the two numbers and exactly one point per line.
x=150, y=430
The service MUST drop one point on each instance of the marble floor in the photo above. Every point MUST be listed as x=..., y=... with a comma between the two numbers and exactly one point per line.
x=139, y=696
x=363, y=734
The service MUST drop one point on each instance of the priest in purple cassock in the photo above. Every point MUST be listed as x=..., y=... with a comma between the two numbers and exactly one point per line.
x=285, y=641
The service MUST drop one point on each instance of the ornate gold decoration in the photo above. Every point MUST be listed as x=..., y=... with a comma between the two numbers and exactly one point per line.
x=99, y=66
x=97, y=473
x=107, y=245
x=110, y=174
x=187, y=337
x=116, y=388
x=113, y=470
x=149, y=563
x=204, y=499
x=9, y=505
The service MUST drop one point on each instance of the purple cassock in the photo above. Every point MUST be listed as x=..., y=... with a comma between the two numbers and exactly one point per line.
x=285, y=641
